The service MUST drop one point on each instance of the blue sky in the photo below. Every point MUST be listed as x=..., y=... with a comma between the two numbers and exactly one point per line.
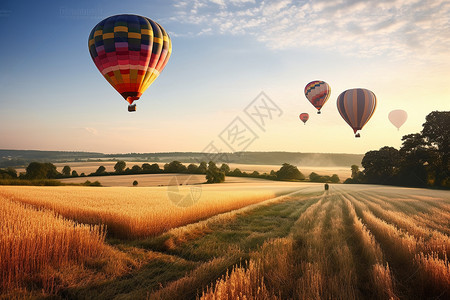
x=224, y=54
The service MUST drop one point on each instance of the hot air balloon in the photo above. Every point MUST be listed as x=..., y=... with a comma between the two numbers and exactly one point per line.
x=356, y=107
x=317, y=92
x=398, y=117
x=130, y=51
x=304, y=117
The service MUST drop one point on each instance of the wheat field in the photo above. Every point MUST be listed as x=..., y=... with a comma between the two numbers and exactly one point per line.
x=39, y=248
x=141, y=212
x=239, y=241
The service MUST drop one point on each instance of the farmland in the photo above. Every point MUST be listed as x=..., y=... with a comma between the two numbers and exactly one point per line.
x=256, y=239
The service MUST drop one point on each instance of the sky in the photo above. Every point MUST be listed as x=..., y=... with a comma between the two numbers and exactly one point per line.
x=225, y=54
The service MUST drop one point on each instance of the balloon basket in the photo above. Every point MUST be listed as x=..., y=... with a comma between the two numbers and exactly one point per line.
x=357, y=135
x=132, y=107
x=319, y=112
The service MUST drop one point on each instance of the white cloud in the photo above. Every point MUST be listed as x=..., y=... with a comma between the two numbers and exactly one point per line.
x=400, y=28
x=91, y=130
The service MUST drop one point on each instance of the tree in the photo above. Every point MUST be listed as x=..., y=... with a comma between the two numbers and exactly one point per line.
x=289, y=172
x=101, y=170
x=236, y=172
x=314, y=177
x=66, y=171
x=225, y=168
x=136, y=169
x=151, y=169
x=381, y=166
x=74, y=173
x=192, y=169
x=355, y=171
x=175, y=167
x=255, y=174
x=214, y=174
x=414, y=159
x=436, y=134
x=37, y=170
x=119, y=167
x=335, y=178
x=8, y=173
x=135, y=183
x=202, y=168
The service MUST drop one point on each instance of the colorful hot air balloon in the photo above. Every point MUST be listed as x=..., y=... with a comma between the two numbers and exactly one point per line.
x=130, y=51
x=317, y=92
x=304, y=117
x=356, y=107
x=398, y=117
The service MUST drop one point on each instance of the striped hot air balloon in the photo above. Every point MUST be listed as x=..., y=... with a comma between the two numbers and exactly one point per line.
x=356, y=107
x=130, y=51
x=304, y=117
x=317, y=92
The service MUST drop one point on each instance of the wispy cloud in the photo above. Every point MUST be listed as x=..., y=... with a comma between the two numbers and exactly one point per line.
x=400, y=28
x=91, y=130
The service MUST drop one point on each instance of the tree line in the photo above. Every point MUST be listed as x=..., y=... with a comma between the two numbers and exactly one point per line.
x=421, y=161
x=213, y=173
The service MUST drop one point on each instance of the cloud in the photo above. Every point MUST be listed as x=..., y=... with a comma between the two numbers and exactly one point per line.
x=91, y=130
x=397, y=28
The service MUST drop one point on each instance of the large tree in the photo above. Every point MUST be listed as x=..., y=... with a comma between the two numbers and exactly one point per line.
x=151, y=169
x=436, y=134
x=119, y=167
x=415, y=159
x=289, y=172
x=66, y=171
x=225, y=168
x=381, y=166
x=37, y=170
x=214, y=174
x=192, y=169
x=175, y=167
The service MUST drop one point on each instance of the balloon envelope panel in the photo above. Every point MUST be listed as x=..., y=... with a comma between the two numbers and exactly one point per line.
x=398, y=117
x=317, y=92
x=304, y=117
x=130, y=51
x=356, y=107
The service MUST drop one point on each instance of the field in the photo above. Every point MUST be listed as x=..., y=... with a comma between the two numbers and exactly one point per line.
x=243, y=240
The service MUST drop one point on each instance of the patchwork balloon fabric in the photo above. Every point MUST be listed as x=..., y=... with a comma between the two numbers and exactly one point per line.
x=304, y=117
x=317, y=92
x=130, y=51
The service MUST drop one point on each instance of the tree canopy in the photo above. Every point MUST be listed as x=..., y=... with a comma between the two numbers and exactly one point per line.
x=289, y=172
x=214, y=174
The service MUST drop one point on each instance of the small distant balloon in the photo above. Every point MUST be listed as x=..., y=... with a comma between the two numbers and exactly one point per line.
x=317, y=92
x=356, y=107
x=304, y=117
x=398, y=117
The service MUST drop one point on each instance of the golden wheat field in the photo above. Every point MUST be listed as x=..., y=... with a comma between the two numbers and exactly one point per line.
x=253, y=240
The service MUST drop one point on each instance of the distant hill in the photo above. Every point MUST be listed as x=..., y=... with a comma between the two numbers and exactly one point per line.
x=18, y=158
